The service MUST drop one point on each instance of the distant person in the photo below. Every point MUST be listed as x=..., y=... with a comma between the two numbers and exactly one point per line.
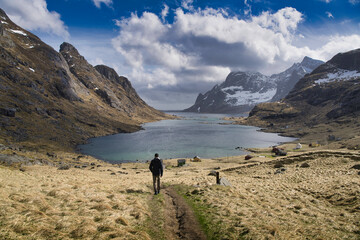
x=156, y=167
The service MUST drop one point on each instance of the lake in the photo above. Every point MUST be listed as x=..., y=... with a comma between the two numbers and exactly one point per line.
x=193, y=135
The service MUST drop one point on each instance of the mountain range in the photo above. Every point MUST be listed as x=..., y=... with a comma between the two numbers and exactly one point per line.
x=57, y=99
x=325, y=102
x=241, y=91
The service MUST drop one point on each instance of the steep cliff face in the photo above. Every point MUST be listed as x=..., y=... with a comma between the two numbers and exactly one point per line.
x=330, y=94
x=58, y=100
x=241, y=91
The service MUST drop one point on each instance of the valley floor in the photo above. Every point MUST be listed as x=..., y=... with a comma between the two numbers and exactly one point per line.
x=97, y=200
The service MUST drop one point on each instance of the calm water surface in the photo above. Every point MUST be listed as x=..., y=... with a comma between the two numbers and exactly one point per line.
x=193, y=135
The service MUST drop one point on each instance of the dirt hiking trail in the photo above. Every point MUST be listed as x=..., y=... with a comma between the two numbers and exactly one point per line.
x=180, y=221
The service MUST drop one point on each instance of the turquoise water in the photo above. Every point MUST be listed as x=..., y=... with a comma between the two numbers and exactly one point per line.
x=193, y=135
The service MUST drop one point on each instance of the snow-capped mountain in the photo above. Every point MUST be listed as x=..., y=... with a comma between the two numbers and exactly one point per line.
x=241, y=91
x=330, y=95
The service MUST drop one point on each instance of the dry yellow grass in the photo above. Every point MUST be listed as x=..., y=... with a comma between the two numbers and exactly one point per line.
x=319, y=202
x=46, y=203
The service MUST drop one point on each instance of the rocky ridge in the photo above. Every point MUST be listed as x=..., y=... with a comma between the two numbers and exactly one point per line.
x=241, y=91
x=56, y=99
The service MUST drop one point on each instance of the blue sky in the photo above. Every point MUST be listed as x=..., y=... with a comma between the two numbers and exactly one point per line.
x=172, y=50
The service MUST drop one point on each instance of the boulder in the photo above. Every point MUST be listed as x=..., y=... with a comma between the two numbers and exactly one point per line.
x=278, y=165
x=181, y=162
x=8, y=112
x=12, y=159
x=298, y=146
x=3, y=147
x=225, y=182
x=280, y=171
x=65, y=167
x=331, y=138
x=356, y=166
x=53, y=155
x=305, y=165
x=212, y=173
x=279, y=151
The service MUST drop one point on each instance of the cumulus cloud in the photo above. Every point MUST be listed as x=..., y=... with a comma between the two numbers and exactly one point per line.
x=106, y=2
x=329, y=15
x=200, y=47
x=34, y=15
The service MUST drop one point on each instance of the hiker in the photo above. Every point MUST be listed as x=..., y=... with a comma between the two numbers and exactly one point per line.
x=156, y=167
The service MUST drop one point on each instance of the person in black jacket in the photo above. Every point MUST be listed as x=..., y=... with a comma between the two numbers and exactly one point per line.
x=156, y=167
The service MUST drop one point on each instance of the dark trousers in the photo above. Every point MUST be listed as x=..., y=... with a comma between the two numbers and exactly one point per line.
x=156, y=183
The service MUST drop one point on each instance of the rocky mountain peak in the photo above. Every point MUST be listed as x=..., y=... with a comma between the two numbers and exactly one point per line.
x=243, y=90
x=68, y=50
x=241, y=78
x=106, y=71
x=3, y=14
x=112, y=75
x=348, y=61
x=310, y=64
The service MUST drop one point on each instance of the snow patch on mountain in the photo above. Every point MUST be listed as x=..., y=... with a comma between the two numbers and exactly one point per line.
x=18, y=32
x=240, y=97
x=341, y=75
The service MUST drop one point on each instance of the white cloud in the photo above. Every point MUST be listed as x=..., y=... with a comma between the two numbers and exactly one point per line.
x=106, y=2
x=164, y=12
x=96, y=61
x=187, y=4
x=336, y=44
x=34, y=15
x=140, y=41
x=247, y=10
x=329, y=15
x=354, y=2
x=202, y=46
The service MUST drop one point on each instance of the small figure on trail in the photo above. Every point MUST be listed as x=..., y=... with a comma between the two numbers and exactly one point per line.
x=156, y=167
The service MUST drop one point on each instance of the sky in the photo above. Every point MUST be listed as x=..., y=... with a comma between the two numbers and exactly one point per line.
x=172, y=50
